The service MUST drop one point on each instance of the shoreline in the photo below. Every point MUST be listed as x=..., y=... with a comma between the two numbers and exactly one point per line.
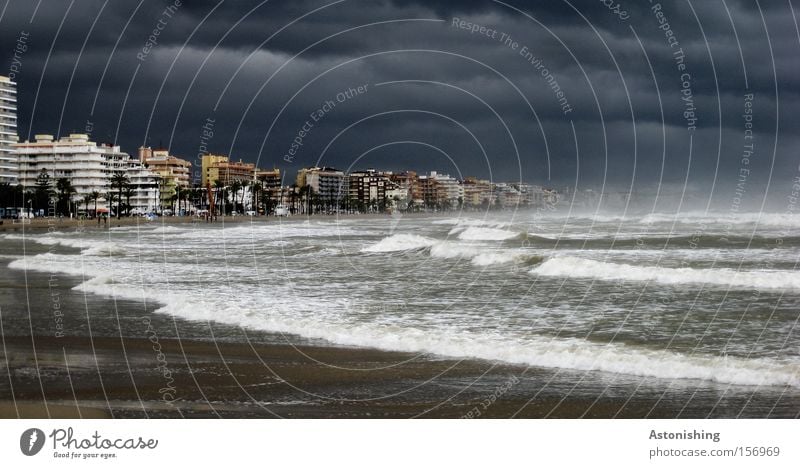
x=41, y=224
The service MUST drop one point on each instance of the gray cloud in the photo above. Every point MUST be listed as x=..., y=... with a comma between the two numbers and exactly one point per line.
x=212, y=52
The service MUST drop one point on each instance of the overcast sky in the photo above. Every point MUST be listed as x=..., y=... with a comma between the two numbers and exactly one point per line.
x=436, y=96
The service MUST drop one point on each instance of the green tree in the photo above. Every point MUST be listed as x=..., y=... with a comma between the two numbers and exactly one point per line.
x=220, y=190
x=255, y=192
x=245, y=184
x=42, y=191
x=65, y=191
x=235, y=187
x=118, y=182
x=128, y=192
x=94, y=196
x=86, y=199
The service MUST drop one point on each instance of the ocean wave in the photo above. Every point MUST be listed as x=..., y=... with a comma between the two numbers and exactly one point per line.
x=400, y=242
x=453, y=250
x=540, y=351
x=87, y=247
x=314, y=251
x=465, y=222
x=763, y=219
x=498, y=258
x=282, y=313
x=479, y=255
x=574, y=354
x=487, y=234
x=585, y=268
x=105, y=249
x=54, y=263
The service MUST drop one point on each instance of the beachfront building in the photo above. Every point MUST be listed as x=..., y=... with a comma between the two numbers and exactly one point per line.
x=409, y=182
x=397, y=197
x=515, y=195
x=206, y=163
x=270, y=179
x=174, y=173
x=9, y=166
x=367, y=190
x=87, y=165
x=270, y=189
x=440, y=191
x=173, y=170
x=326, y=185
x=143, y=193
x=220, y=168
x=448, y=188
x=477, y=192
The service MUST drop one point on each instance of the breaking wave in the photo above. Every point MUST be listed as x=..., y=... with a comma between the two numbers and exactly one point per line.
x=574, y=267
x=400, y=242
x=487, y=234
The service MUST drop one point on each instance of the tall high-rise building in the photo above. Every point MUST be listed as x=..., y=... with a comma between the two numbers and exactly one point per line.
x=9, y=166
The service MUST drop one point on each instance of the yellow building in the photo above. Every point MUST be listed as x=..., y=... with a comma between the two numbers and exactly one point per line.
x=173, y=170
x=209, y=162
x=217, y=167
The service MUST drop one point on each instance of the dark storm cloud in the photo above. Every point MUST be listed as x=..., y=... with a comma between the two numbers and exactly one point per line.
x=213, y=59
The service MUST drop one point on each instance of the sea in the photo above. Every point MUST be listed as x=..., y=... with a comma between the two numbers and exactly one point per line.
x=683, y=300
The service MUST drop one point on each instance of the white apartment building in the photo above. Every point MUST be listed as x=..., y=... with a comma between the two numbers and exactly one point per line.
x=328, y=183
x=89, y=166
x=8, y=131
x=145, y=183
x=448, y=187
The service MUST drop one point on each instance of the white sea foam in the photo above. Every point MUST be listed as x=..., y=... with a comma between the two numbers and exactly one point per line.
x=465, y=222
x=326, y=318
x=400, y=242
x=763, y=219
x=453, y=250
x=499, y=257
x=87, y=246
x=105, y=249
x=235, y=296
x=479, y=255
x=585, y=268
x=574, y=354
x=486, y=234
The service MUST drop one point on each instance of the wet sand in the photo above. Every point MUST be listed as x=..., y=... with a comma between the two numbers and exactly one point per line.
x=94, y=356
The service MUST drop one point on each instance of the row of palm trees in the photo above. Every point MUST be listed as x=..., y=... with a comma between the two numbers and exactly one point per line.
x=230, y=198
x=58, y=199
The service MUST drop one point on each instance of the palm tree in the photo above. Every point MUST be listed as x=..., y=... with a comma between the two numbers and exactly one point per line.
x=245, y=183
x=194, y=197
x=220, y=189
x=110, y=197
x=293, y=198
x=267, y=202
x=42, y=192
x=65, y=191
x=119, y=181
x=129, y=191
x=235, y=187
x=86, y=200
x=94, y=196
x=255, y=189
